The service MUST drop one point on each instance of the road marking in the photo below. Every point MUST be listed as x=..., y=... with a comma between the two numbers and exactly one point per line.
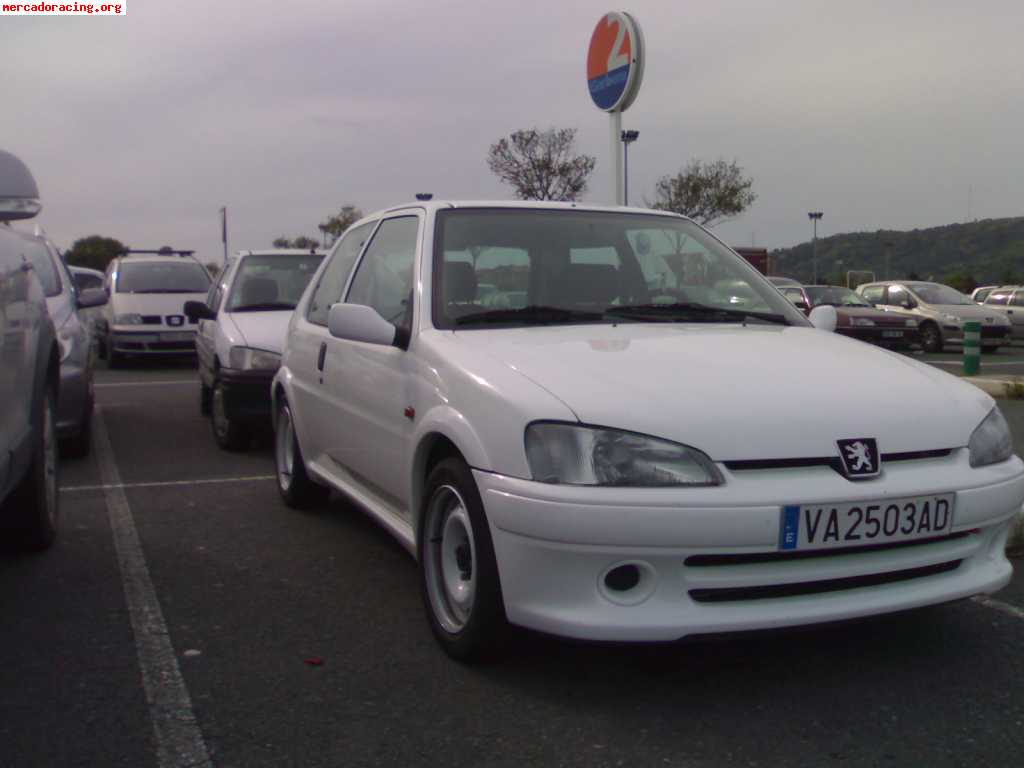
x=163, y=383
x=167, y=483
x=999, y=605
x=179, y=741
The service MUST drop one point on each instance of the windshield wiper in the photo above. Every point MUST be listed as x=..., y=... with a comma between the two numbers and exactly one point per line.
x=532, y=315
x=687, y=311
x=268, y=306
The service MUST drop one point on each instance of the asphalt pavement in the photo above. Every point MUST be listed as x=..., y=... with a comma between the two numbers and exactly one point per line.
x=269, y=637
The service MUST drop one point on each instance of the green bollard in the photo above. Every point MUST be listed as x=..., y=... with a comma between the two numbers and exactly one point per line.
x=972, y=348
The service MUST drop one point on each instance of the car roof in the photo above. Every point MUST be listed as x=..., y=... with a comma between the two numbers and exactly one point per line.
x=84, y=271
x=435, y=205
x=282, y=252
x=157, y=259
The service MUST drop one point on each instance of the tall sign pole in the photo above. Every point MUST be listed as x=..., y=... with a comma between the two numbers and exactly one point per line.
x=615, y=70
x=224, y=232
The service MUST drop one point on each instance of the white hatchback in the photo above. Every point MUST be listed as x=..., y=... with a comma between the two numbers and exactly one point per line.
x=560, y=411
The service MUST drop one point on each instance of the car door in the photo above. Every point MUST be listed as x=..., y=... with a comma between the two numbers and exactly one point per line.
x=206, y=330
x=1015, y=311
x=306, y=346
x=369, y=385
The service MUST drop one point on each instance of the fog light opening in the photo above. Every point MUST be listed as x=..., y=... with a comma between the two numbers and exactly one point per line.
x=629, y=583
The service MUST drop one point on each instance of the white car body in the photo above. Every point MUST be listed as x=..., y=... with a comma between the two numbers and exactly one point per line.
x=231, y=392
x=162, y=328
x=766, y=404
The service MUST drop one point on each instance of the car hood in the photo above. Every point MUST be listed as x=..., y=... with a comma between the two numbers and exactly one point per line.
x=754, y=392
x=972, y=312
x=261, y=330
x=152, y=303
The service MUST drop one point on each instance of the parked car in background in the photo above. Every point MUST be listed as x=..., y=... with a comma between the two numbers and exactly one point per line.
x=941, y=312
x=29, y=375
x=780, y=281
x=1009, y=299
x=242, y=326
x=86, y=278
x=145, y=315
x=600, y=463
x=855, y=317
x=63, y=301
x=979, y=294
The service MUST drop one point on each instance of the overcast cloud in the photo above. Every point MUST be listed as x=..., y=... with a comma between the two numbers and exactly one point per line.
x=880, y=114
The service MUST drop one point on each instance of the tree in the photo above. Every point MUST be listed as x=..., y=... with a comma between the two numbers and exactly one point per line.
x=94, y=252
x=336, y=225
x=708, y=193
x=303, y=242
x=213, y=268
x=541, y=165
x=961, y=280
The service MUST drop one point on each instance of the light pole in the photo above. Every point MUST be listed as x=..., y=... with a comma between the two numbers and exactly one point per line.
x=628, y=137
x=814, y=216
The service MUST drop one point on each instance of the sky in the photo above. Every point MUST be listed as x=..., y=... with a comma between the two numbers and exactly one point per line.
x=883, y=115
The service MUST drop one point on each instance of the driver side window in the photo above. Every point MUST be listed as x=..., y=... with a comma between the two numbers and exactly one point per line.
x=383, y=279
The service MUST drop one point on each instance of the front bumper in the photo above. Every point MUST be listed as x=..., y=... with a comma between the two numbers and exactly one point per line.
x=155, y=342
x=991, y=336
x=555, y=544
x=881, y=335
x=246, y=394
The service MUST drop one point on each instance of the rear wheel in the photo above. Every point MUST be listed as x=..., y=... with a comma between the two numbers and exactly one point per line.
x=931, y=338
x=229, y=433
x=990, y=350
x=295, y=486
x=458, y=571
x=34, y=504
x=205, y=395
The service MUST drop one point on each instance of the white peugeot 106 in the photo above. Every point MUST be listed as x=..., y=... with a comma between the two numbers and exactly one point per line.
x=602, y=423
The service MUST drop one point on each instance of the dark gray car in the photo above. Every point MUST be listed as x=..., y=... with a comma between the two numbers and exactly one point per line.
x=63, y=300
x=29, y=376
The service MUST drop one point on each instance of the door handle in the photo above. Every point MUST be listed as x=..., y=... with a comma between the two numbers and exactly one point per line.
x=320, y=358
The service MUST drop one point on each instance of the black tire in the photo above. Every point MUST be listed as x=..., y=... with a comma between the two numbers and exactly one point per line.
x=229, y=434
x=205, y=395
x=293, y=483
x=101, y=348
x=79, y=445
x=931, y=337
x=459, y=562
x=34, y=506
x=990, y=350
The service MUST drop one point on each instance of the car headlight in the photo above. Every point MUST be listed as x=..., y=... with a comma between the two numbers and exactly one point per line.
x=866, y=321
x=952, y=319
x=911, y=323
x=132, y=318
x=991, y=442
x=248, y=359
x=573, y=455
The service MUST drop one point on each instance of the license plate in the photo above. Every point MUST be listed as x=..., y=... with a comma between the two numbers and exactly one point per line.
x=180, y=336
x=892, y=334
x=827, y=526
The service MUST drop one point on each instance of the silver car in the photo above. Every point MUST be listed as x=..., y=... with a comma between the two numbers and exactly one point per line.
x=1009, y=299
x=942, y=312
x=63, y=300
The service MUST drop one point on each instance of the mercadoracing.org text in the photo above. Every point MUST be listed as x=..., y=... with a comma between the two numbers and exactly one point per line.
x=64, y=9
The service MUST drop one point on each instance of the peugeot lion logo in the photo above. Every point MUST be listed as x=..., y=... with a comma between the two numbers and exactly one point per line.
x=859, y=457
x=175, y=320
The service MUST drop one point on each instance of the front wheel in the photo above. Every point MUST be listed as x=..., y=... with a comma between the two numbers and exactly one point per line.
x=458, y=570
x=295, y=486
x=227, y=432
x=35, y=503
x=931, y=338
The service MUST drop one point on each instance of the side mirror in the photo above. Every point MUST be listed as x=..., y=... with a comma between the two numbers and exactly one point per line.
x=358, y=322
x=92, y=297
x=19, y=195
x=197, y=310
x=824, y=318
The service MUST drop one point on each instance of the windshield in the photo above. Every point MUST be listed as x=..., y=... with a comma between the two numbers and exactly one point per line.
x=933, y=293
x=544, y=267
x=834, y=296
x=271, y=282
x=185, y=276
x=45, y=269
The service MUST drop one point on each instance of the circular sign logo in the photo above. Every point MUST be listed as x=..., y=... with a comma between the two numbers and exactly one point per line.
x=615, y=61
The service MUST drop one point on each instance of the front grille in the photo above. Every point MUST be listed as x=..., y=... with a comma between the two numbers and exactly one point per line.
x=172, y=346
x=757, y=558
x=151, y=320
x=736, y=594
x=829, y=461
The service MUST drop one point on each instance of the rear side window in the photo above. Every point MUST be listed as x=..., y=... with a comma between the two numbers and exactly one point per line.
x=1002, y=297
x=1018, y=299
x=332, y=281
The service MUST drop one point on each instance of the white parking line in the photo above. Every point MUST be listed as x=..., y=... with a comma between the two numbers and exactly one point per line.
x=179, y=741
x=999, y=605
x=163, y=383
x=168, y=483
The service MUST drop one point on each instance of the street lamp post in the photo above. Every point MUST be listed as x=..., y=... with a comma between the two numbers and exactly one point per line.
x=628, y=137
x=814, y=216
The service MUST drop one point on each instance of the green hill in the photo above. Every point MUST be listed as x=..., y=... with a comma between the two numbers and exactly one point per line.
x=982, y=252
